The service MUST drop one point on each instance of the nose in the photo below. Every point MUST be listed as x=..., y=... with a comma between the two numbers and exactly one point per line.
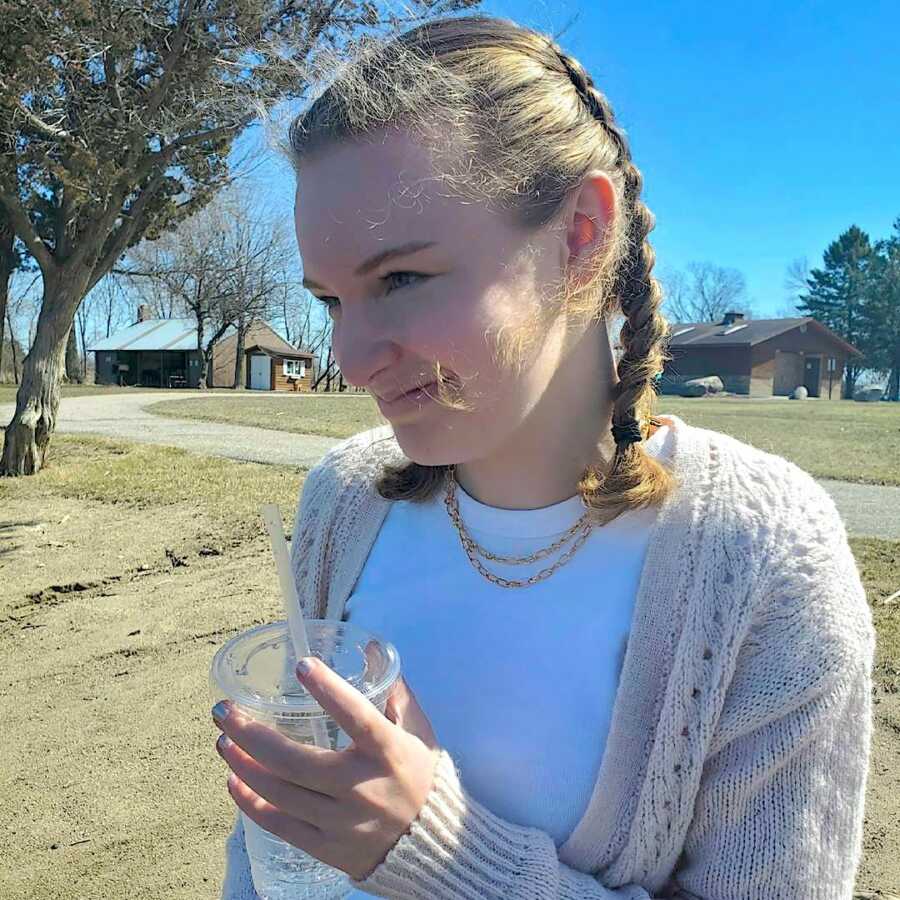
x=361, y=349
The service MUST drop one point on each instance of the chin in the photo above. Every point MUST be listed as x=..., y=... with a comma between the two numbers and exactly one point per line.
x=429, y=446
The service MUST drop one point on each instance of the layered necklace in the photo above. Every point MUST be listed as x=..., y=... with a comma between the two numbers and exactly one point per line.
x=578, y=533
x=581, y=530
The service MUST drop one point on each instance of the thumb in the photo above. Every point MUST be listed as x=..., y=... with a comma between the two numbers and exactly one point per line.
x=403, y=709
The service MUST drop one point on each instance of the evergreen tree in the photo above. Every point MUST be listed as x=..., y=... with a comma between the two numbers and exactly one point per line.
x=881, y=312
x=836, y=294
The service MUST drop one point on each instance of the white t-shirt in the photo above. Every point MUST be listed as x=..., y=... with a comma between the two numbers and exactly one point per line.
x=518, y=683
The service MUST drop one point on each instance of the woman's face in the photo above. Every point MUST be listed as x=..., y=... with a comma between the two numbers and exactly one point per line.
x=413, y=277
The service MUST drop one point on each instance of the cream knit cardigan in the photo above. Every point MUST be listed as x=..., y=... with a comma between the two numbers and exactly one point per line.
x=736, y=762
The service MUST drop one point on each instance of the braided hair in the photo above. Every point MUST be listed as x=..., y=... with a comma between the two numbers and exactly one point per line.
x=527, y=123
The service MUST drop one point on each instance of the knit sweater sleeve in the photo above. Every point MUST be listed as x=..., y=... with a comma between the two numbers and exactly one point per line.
x=779, y=808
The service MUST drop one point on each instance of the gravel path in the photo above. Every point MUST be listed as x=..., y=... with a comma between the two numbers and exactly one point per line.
x=126, y=417
x=868, y=510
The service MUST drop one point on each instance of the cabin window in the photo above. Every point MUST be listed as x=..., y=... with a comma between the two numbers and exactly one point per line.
x=296, y=367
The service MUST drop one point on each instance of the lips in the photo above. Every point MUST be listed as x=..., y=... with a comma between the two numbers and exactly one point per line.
x=411, y=390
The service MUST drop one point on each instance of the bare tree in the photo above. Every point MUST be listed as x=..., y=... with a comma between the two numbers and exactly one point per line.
x=705, y=293
x=225, y=267
x=796, y=283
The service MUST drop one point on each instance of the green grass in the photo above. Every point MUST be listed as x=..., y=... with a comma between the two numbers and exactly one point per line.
x=837, y=439
x=831, y=439
x=331, y=416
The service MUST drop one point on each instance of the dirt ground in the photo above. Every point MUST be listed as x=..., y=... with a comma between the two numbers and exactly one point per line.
x=111, y=788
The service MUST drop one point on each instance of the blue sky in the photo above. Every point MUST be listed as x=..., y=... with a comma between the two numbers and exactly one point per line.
x=763, y=129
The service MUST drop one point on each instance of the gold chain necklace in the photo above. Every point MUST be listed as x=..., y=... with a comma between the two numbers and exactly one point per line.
x=584, y=525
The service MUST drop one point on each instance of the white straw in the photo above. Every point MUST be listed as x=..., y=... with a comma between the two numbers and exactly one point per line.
x=271, y=515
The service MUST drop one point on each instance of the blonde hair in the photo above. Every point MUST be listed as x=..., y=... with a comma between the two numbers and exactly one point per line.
x=526, y=123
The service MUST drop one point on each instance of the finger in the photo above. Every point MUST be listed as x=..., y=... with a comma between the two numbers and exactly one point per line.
x=308, y=806
x=301, y=834
x=403, y=709
x=359, y=718
x=316, y=768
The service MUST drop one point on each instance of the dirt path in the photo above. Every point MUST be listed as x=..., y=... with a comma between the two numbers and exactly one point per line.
x=867, y=510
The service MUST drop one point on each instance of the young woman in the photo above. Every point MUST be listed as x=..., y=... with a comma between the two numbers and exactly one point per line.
x=640, y=651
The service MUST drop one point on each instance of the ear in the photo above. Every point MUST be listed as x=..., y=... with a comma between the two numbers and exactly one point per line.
x=591, y=211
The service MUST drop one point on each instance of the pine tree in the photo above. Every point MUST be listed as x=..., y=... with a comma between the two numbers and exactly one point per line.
x=837, y=292
x=881, y=312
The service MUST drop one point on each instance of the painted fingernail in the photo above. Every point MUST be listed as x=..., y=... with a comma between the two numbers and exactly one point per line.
x=220, y=711
x=304, y=667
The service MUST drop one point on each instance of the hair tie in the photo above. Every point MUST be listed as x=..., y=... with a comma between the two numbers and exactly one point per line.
x=628, y=432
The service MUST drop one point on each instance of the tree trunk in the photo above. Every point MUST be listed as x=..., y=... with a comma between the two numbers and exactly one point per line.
x=37, y=400
x=893, y=391
x=4, y=294
x=73, y=362
x=12, y=346
x=7, y=265
x=202, y=381
x=239, y=355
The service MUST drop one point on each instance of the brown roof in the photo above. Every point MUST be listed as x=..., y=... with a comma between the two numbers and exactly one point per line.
x=744, y=332
x=280, y=354
x=263, y=336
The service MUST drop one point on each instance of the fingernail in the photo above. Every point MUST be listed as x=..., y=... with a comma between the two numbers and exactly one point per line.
x=304, y=667
x=220, y=711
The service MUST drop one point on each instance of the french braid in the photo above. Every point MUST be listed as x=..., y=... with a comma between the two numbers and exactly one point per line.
x=640, y=296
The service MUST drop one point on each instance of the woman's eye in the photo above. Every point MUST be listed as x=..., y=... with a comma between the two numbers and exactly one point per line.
x=396, y=280
x=393, y=280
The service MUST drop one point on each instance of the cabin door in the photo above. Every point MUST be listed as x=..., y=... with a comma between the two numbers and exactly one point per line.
x=812, y=374
x=260, y=373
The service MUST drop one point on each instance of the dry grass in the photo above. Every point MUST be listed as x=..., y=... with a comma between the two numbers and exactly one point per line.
x=324, y=414
x=143, y=476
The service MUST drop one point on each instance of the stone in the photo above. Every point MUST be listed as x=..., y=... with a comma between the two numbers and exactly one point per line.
x=700, y=387
x=800, y=393
x=869, y=394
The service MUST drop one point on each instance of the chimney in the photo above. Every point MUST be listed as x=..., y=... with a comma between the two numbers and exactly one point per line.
x=144, y=313
x=732, y=317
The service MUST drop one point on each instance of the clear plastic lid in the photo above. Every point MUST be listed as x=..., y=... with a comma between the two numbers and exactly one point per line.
x=255, y=669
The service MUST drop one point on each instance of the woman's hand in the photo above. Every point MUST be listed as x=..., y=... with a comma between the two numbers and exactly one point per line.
x=347, y=808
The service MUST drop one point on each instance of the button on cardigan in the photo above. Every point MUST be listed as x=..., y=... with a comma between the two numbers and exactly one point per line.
x=737, y=755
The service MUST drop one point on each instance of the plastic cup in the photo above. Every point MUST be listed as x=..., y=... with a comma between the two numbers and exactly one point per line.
x=255, y=671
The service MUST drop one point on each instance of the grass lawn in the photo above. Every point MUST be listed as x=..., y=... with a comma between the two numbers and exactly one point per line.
x=123, y=567
x=830, y=439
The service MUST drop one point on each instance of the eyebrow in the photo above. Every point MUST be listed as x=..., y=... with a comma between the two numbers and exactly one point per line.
x=373, y=262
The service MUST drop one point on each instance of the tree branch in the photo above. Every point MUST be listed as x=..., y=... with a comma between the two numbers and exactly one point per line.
x=53, y=132
x=122, y=237
x=22, y=226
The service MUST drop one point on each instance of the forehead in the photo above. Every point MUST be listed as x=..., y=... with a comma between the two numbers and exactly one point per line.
x=355, y=196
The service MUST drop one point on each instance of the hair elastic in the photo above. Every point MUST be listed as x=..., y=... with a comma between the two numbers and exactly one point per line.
x=628, y=432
